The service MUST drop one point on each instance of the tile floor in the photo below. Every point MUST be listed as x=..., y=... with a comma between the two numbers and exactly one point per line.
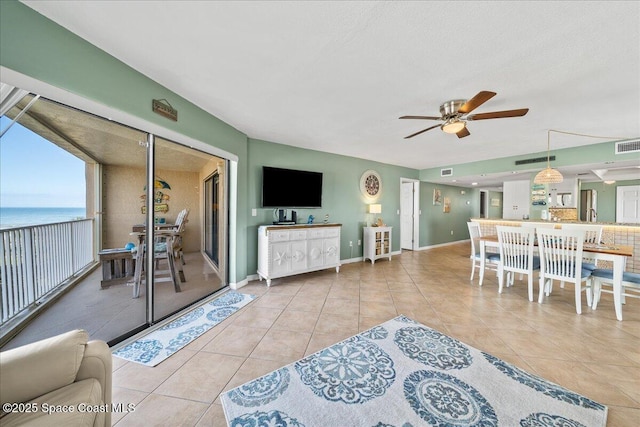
x=592, y=353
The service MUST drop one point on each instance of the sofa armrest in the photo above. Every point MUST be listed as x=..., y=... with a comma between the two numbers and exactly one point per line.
x=40, y=367
x=97, y=363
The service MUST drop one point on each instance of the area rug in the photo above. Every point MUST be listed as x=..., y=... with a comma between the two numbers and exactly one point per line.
x=163, y=342
x=405, y=374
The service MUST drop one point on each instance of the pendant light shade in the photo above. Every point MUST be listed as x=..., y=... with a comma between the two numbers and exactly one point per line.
x=548, y=175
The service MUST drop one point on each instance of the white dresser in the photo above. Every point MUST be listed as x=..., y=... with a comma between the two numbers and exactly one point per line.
x=376, y=243
x=285, y=250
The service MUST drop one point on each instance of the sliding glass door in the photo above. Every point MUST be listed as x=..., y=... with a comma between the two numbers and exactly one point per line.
x=143, y=196
x=183, y=219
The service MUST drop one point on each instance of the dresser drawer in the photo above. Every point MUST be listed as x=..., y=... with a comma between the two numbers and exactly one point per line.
x=278, y=236
x=331, y=232
x=298, y=235
x=316, y=233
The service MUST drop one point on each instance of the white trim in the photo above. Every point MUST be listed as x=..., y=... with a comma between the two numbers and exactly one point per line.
x=242, y=283
x=440, y=245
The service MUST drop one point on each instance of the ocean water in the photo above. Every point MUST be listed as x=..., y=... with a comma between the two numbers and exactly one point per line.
x=20, y=217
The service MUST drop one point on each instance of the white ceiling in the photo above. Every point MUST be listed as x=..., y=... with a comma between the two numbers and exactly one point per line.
x=335, y=76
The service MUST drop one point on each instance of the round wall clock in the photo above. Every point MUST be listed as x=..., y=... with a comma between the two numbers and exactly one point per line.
x=371, y=183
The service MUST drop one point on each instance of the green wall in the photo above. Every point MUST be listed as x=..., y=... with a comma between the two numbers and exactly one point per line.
x=341, y=196
x=435, y=224
x=495, y=211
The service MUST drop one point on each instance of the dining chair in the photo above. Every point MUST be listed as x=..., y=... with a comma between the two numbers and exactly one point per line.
x=604, y=276
x=561, y=259
x=491, y=259
x=516, y=255
x=592, y=235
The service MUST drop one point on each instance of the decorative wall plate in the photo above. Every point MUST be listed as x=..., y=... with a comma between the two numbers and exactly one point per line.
x=371, y=184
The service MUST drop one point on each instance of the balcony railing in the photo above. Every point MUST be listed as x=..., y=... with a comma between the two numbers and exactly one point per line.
x=36, y=260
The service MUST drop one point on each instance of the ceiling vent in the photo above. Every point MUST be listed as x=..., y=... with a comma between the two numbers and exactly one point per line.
x=534, y=160
x=624, y=147
x=446, y=172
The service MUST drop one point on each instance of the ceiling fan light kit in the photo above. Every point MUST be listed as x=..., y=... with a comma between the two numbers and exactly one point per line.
x=454, y=114
x=453, y=126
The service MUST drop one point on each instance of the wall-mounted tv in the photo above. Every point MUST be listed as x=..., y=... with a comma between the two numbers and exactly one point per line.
x=289, y=188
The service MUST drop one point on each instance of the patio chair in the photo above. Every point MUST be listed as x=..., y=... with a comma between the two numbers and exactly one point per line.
x=561, y=259
x=178, y=230
x=516, y=255
x=164, y=249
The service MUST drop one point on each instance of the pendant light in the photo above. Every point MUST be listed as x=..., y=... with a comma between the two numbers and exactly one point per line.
x=548, y=175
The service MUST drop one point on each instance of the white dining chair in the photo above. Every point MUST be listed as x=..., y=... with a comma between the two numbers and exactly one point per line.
x=592, y=236
x=491, y=259
x=561, y=259
x=604, y=276
x=516, y=255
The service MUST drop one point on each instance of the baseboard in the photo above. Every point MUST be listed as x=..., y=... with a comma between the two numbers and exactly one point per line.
x=440, y=245
x=245, y=282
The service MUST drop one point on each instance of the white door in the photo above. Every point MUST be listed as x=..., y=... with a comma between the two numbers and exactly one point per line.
x=628, y=204
x=407, y=215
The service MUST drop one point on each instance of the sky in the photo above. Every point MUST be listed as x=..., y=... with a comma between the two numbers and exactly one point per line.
x=37, y=173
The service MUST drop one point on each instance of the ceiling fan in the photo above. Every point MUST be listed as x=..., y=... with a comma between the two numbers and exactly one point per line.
x=454, y=114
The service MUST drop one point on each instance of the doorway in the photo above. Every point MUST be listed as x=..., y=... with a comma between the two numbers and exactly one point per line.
x=484, y=204
x=409, y=214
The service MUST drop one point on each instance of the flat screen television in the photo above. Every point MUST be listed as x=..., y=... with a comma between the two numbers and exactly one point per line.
x=289, y=188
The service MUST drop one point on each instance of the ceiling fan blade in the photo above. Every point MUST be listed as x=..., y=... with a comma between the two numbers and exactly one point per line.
x=464, y=132
x=421, y=117
x=423, y=130
x=476, y=101
x=499, y=114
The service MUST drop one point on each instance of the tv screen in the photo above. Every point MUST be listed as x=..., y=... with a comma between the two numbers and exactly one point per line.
x=288, y=188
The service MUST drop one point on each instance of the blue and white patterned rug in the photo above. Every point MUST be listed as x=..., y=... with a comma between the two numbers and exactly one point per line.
x=163, y=342
x=404, y=374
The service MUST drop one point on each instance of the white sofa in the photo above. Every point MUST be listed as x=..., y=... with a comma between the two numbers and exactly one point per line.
x=63, y=380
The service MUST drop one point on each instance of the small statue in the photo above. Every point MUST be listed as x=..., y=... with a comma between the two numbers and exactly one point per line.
x=326, y=219
x=310, y=219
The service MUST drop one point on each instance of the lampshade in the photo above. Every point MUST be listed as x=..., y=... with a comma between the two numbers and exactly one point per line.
x=453, y=126
x=548, y=175
x=375, y=208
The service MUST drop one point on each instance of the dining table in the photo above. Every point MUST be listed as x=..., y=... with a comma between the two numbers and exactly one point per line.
x=614, y=253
